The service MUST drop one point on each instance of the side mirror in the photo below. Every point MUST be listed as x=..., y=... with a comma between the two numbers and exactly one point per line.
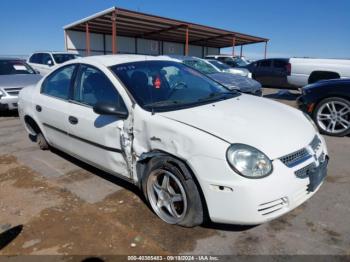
x=50, y=63
x=110, y=109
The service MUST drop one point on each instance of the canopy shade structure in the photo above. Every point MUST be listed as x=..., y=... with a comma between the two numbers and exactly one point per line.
x=118, y=21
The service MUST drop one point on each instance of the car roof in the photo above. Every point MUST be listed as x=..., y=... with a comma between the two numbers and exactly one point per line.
x=214, y=60
x=110, y=60
x=180, y=57
x=223, y=55
x=55, y=52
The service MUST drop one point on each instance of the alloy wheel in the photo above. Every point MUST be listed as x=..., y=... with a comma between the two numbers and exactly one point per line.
x=167, y=196
x=334, y=117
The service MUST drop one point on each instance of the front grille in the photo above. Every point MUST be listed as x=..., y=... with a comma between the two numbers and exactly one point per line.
x=13, y=91
x=305, y=171
x=301, y=155
x=272, y=206
x=296, y=157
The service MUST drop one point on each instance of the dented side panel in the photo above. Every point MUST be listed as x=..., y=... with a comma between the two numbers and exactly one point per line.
x=157, y=133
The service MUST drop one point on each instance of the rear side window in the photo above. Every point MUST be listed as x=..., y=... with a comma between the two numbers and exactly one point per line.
x=264, y=63
x=58, y=83
x=279, y=64
x=93, y=86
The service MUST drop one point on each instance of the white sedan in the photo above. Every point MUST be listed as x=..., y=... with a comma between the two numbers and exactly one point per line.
x=192, y=146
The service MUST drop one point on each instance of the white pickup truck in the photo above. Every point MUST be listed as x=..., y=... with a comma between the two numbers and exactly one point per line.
x=298, y=72
x=308, y=70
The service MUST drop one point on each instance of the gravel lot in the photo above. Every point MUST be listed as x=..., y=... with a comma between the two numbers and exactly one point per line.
x=51, y=203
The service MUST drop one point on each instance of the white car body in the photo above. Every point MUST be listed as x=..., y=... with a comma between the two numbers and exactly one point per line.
x=303, y=68
x=45, y=68
x=199, y=136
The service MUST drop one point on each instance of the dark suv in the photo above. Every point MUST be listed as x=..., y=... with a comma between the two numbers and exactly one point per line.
x=272, y=72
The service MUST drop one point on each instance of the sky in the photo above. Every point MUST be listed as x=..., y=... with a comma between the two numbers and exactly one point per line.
x=312, y=28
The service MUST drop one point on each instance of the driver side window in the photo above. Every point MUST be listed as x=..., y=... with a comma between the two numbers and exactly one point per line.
x=93, y=86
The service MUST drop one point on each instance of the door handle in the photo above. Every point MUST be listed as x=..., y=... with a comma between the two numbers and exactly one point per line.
x=38, y=108
x=73, y=120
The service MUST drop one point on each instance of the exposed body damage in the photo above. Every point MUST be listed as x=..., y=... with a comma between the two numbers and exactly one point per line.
x=126, y=142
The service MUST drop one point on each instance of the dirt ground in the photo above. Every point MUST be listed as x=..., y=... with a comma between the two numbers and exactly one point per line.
x=51, y=203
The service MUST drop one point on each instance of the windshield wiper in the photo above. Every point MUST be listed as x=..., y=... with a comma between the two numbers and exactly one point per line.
x=163, y=103
x=217, y=96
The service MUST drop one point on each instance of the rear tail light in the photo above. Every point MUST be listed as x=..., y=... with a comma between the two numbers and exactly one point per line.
x=288, y=68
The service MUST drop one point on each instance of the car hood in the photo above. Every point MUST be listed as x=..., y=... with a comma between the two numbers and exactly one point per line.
x=19, y=80
x=236, y=82
x=269, y=126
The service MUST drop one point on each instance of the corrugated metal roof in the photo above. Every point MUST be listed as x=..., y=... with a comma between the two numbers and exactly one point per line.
x=142, y=25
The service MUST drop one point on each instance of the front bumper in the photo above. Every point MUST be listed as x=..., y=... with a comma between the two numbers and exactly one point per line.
x=305, y=105
x=8, y=103
x=255, y=201
x=301, y=103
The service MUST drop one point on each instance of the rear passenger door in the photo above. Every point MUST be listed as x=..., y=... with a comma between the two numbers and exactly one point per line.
x=97, y=139
x=52, y=106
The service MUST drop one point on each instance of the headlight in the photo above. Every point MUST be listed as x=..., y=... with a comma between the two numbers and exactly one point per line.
x=248, y=161
x=311, y=121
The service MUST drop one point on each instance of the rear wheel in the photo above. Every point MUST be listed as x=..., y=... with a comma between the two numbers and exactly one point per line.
x=332, y=116
x=172, y=193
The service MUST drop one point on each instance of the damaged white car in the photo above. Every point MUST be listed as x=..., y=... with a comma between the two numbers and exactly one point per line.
x=196, y=149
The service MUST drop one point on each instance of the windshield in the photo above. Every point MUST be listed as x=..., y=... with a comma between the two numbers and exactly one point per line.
x=166, y=85
x=240, y=61
x=219, y=65
x=61, y=58
x=14, y=67
x=201, y=66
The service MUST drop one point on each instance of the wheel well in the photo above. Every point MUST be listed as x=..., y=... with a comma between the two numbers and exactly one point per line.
x=32, y=126
x=328, y=96
x=322, y=75
x=146, y=157
x=179, y=163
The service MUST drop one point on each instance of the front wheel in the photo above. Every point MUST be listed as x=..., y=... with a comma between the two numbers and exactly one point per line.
x=172, y=194
x=41, y=141
x=332, y=116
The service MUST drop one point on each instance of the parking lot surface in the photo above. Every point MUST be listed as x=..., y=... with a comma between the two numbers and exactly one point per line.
x=51, y=203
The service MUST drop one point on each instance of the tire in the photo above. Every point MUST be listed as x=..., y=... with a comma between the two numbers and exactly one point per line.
x=175, y=200
x=41, y=141
x=332, y=116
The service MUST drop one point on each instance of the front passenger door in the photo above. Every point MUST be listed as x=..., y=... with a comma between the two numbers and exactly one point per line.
x=97, y=138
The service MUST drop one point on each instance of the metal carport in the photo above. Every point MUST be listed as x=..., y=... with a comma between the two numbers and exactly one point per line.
x=105, y=32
